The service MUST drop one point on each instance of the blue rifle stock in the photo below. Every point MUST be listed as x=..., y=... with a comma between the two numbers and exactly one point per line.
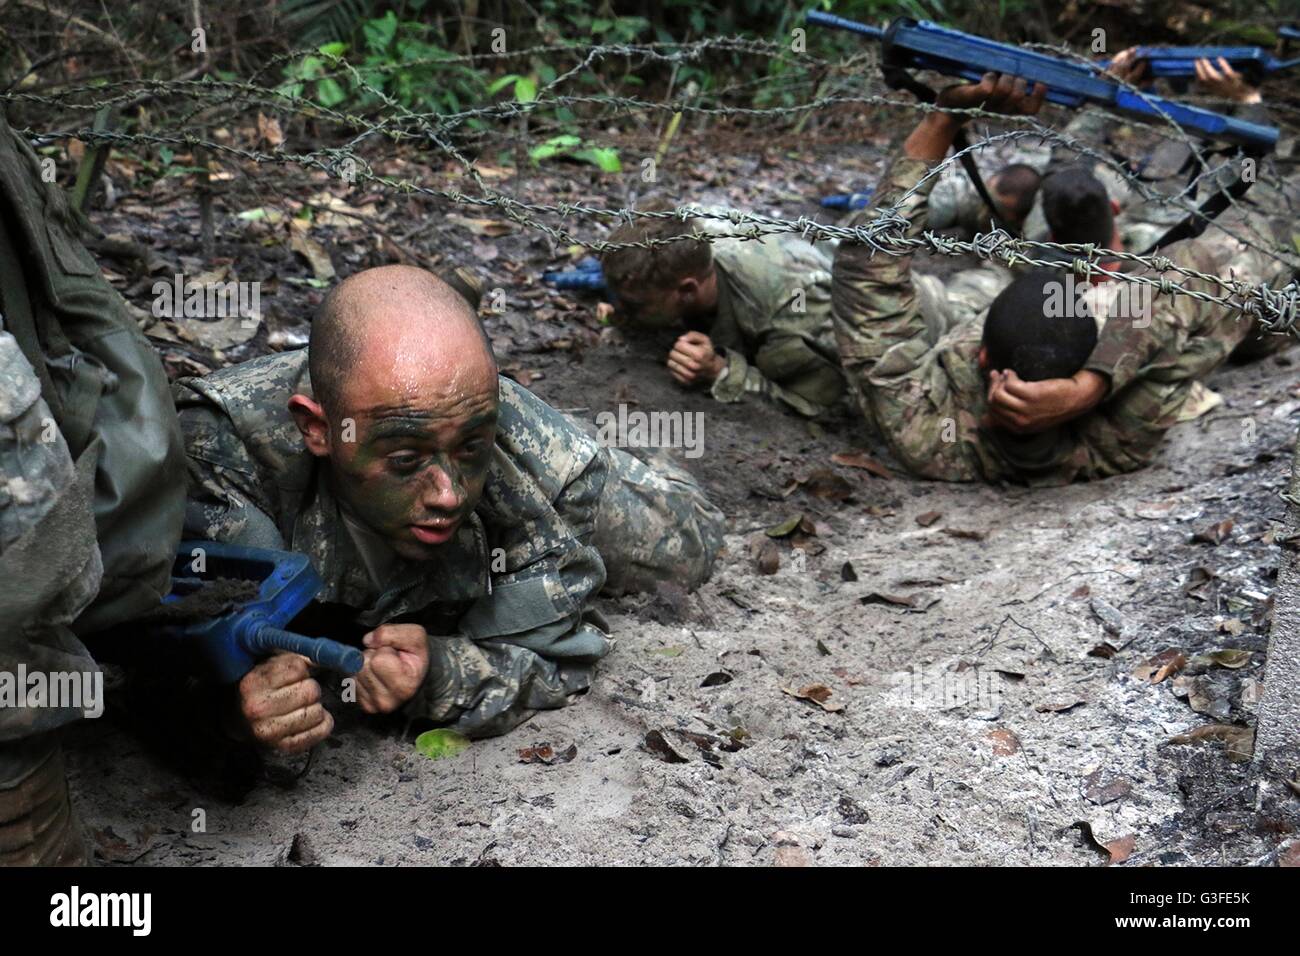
x=1178, y=63
x=922, y=45
x=911, y=44
x=587, y=276
x=227, y=647
x=848, y=200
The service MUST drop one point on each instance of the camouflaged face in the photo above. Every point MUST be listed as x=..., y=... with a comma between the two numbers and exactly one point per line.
x=505, y=601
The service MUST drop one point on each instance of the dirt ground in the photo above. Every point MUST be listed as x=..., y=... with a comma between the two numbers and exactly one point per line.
x=979, y=645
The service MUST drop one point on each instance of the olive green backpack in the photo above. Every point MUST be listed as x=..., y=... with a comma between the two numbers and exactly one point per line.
x=102, y=380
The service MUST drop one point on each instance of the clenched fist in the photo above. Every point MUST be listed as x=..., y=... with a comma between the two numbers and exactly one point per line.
x=280, y=703
x=397, y=657
x=693, y=360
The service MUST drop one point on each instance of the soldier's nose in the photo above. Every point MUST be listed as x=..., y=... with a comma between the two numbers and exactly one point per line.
x=440, y=492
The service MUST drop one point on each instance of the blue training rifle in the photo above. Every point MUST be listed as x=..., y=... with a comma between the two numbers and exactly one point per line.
x=922, y=45
x=586, y=276
x=847, y=200
x=908, y=44
x=226, y=647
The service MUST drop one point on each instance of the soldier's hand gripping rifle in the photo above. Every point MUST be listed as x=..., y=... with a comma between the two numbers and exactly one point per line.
x=226, y=644
x=908, y=44
x=1178, y=63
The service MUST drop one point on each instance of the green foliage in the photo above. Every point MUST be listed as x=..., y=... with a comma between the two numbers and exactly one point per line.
x=311, y=23
x=441, y=744
x=398, y=59
x=604, y=158
x=406, y=62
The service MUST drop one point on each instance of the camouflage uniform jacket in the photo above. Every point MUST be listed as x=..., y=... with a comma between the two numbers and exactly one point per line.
x=927, y=400
x=1165, y=169
x=773, y=324
x=505, y=602
x=47, y=545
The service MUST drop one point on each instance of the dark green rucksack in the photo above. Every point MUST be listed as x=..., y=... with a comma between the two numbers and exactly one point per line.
x=101, y=379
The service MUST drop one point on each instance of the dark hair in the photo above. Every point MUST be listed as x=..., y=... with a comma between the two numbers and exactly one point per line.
x=1020, y=182
x=658, y=267
x=1037, y=328
x=1077, y=207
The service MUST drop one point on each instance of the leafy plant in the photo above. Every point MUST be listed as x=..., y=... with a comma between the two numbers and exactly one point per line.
x=603, y=157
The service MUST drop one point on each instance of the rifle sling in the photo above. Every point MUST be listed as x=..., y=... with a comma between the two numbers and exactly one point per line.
x=899, y=78
x=1198, y=220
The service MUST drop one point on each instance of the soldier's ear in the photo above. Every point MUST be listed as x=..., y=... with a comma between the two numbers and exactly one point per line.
x=984, y=359
x=311, y=421
x=1114, y=207
x=688, y=289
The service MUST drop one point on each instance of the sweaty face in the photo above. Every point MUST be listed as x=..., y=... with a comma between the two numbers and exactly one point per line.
x=423, y=440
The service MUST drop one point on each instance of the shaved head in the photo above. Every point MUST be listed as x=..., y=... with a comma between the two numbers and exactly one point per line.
x=390, y=314
x=404, y=406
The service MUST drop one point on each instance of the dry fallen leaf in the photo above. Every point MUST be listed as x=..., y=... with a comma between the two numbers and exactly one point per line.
x=1214, y=534
x=818, y=694
x=1238, y=742
x=1108, y=792
x=918, y=601
x=545, y=754
x=492, y=228
x=788, y=527
x=658, y=744
x=311, y=250
x=824, y=483
x=1005, y=743
x=860, y=459
x=1232, y=626
x=268, y=130
x=1155, y=669
x=1121, y=849
x=1233, y=658
x=1059, y=705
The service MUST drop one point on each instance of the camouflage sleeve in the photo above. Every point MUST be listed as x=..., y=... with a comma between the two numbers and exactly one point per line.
x=798, y=376
x=49, y=559
x=533, y=641
x=1176, y=329
x=945, y=202
x=899, y=378
x=225, y=501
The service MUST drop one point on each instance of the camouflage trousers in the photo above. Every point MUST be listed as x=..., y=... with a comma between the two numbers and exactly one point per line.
x=51, y=568
x=654, y=524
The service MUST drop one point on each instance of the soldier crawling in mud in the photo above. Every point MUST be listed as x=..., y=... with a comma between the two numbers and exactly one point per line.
x=1030, y=393
x=957, y=208
x=1163, y=171
x=456, y=519
x=754, y=317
